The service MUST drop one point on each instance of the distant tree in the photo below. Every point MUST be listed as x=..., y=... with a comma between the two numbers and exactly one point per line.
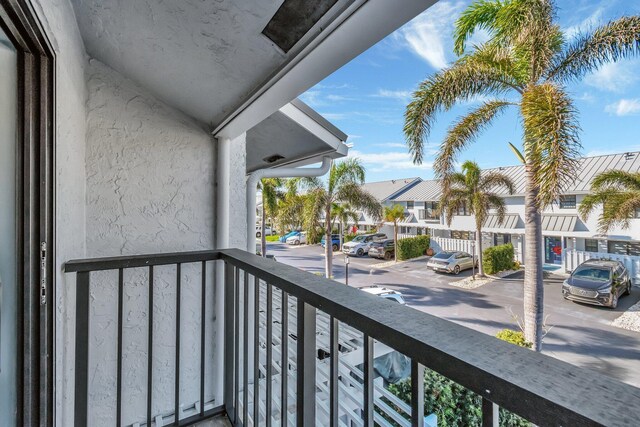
x=475, y=191
x=619, y=194
x=343, y=213
x=526, y=64
x=270, y=195
x=343, y=185
x=394, y=214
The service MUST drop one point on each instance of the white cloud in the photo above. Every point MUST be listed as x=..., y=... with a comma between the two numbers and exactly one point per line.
x=614, y=77
x=624, y=107
x=391, y=145
x=390, y=160
x=614, y=150
x=429, y=34
x=339, y=98
x=400, y=95
x=587, y=24
x=334, y=116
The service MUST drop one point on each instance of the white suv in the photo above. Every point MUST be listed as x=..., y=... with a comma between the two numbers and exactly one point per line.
x=386, y=293
x=360, y=245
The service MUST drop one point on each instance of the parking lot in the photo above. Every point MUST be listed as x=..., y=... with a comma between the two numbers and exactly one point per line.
x=577, y=333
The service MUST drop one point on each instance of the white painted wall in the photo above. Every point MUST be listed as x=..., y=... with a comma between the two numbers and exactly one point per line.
x=150, y=174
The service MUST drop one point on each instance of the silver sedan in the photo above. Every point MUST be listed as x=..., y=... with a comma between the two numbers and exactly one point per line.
x=451, y=262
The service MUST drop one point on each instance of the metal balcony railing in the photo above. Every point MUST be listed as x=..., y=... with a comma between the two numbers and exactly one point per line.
x=303, y=350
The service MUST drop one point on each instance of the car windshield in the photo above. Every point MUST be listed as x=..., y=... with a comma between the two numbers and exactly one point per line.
x=591, y=273
x=359, y=238
x=443, y=255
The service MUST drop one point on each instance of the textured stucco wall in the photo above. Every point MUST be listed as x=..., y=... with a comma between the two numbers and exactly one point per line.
x=59, y=23
x=150, y=174
x=238, y=191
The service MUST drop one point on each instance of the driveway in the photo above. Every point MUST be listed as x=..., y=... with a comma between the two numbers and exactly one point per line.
x=576, y=333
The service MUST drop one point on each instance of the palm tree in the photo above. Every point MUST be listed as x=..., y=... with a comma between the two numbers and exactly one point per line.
x=475, y=191
x=394, y=214
x=619, y=194
x=270, y=196
x=343, y=185
x=343, y=213
x=525, y=64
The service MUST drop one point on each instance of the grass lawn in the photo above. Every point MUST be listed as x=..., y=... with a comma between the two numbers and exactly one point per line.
x=272, y=238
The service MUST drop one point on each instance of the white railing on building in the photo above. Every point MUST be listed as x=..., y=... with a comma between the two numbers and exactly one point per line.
x=439, y=244
x=574, y=258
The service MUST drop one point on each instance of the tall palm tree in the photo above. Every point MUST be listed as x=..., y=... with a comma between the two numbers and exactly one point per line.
x=475, y=191
x=270, y=195
x=343, y=213
x=619, y=194
x=343, y=185
x=394, y=214
x=525, y=64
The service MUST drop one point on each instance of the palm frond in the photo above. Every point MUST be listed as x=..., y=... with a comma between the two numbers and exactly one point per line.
x=477, y=16
x=616, y=40
x=618, y=179
x=356, y=196
x=552, y=144
x=496, y=202
x=462, y=133
x=451, y=201
x=491, y=180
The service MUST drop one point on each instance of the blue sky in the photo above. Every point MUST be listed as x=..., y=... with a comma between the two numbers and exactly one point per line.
x=367, y=97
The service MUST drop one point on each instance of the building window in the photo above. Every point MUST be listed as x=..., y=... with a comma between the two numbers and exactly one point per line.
x=430, y=211
x=462, y=210
x=501, y=239
x=461, y=235
x=591, y=245
x=637, y=213
x=623, y=248
x=568, y=201
x=410, y=205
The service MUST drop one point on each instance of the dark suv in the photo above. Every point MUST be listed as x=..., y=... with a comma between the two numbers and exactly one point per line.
x=384, y=249
x=598, y=282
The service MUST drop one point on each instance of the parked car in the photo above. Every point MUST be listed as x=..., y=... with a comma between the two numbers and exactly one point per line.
x=384, y=249
x=451, y=262
x=298, y=239
x=335, y=241
x=383, y=292
x=598, y=282
x=284, y=238
x=360, y=244
x=267, y=231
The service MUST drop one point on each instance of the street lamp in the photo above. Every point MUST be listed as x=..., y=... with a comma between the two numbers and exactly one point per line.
x=346, y=270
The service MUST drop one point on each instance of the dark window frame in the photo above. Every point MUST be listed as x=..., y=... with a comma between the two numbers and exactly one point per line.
x=567, y=201
x=589, y=242
x=35, y=181
x=410, y=204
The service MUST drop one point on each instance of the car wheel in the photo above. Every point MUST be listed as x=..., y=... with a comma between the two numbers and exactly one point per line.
x=360, y=252
x=387, y=256
x=258, y=234
x=456, y=269
x=335, y=247
x=628, y=291
x=614, y=302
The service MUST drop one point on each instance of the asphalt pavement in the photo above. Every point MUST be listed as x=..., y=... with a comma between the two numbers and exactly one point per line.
x=576, y=333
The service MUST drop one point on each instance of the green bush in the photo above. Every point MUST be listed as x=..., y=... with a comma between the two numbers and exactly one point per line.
x=452, y=403
x=514, y=337
x=348, y=237
x=273, y=238
x=412, y=247
x=497, y=258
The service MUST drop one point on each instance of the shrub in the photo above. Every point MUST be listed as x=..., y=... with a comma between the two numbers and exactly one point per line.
x=412, y=247
x=514, y=337
x=348, y=237
x=497, y=258
x=452, y=403
x=272, y=238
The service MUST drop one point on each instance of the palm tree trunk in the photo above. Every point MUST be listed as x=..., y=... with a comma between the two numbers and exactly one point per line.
x=479, y=249
x=533, y=279
x=263, y=238
x=328, y=248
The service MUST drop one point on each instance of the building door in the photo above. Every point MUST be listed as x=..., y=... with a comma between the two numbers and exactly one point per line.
x=552, y=250
x=26, y=219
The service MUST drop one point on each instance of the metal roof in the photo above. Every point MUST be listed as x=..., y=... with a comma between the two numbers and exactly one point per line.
x=424, y=191
x=385, y=190
x=559, y=222
x=589, y=167
x=510, y=222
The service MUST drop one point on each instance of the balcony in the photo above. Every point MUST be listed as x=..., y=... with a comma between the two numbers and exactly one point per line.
x=301, y=350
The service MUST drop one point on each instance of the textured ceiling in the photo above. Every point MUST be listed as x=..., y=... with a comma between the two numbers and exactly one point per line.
x=202, y=57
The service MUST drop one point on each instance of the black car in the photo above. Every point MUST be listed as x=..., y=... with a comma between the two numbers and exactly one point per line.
x=384, y=249
x=598, y=282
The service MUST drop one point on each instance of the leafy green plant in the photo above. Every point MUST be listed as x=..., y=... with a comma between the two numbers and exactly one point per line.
x=412, y=247
x=349, y=237
x=498, y=258
x=514, y=337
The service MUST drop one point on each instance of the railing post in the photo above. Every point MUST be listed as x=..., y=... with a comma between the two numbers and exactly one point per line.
x=306, y=363
x=417, y=394
x=82, y=349
x=490, y=413
x=229, y=338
